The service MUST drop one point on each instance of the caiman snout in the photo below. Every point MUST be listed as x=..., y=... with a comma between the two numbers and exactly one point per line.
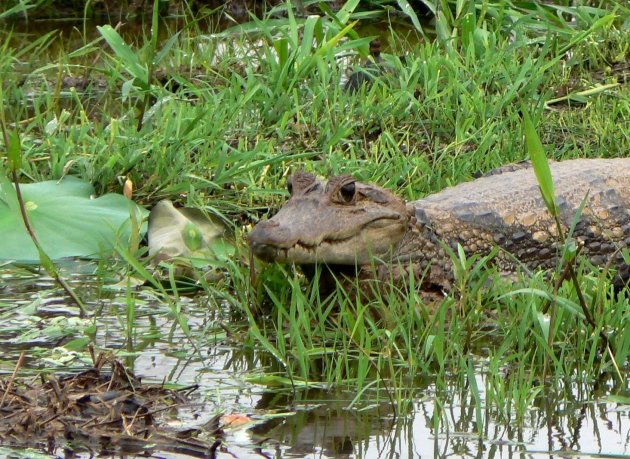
x=261, y=240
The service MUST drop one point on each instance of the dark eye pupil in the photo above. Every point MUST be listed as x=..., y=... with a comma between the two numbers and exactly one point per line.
x=347, y=192
x=290, y=187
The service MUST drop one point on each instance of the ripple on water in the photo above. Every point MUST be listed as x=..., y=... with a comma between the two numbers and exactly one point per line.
x=580, y=420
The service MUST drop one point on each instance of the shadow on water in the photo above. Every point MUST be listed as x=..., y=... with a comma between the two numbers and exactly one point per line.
x=285, y=422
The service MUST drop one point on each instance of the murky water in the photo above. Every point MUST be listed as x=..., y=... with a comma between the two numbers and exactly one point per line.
x=579, y=422
x=583, y=421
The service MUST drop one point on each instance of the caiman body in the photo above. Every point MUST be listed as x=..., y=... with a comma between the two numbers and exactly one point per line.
x=342, y=222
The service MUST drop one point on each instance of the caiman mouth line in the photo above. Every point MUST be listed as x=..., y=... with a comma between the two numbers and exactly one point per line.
x=312, y=247
x=335, y=241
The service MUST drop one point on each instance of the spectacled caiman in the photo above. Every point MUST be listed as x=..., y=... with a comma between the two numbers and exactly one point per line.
x=342, y=222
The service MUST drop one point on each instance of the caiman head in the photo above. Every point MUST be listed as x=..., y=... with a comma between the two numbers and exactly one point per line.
x=335, y=222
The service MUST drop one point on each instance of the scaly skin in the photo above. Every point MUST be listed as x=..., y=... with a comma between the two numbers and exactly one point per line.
x=348, y=223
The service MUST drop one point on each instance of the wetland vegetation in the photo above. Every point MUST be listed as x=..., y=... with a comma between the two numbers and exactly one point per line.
x=216, y=119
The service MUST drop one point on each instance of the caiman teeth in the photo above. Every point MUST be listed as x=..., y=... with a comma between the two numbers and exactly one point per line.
x=310, y=247
x=313, y=247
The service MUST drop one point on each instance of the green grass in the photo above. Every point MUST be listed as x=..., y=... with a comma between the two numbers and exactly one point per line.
x=259, y=103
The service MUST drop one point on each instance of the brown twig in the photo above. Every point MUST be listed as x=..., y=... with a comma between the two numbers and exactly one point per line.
x=556, y=287
x=13, y=375
x=578, y=290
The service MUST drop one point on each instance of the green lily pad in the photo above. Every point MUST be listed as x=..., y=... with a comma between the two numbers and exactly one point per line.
x=67, y=221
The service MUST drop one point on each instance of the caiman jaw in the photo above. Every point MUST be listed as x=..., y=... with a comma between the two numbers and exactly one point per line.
x=336, y=222
x=328, y=250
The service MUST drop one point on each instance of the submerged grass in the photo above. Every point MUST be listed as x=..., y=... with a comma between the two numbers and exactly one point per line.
x=243, y=108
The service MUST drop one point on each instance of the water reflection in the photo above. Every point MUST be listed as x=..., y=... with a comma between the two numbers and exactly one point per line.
x=571, y=420
x=325, y=424
x=561, y=429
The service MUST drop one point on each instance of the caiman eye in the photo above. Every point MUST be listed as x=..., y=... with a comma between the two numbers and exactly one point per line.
x=347, y=192
x=290, y=187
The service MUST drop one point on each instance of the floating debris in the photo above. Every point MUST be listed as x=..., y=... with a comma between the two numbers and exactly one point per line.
x=103, y=410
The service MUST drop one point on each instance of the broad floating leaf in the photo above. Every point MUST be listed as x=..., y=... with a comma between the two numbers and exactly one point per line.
x=66, y=220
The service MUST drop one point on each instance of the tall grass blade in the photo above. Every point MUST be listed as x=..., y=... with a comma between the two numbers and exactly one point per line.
x=408, y=10
x=540, y=164
x=128, y=57
x=21, y=7
x=601, y=23
x=343, y=15
x=429, y=4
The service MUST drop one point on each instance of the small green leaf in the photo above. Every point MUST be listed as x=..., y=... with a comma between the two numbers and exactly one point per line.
x=583, y=96
x=570, y=250
x=443, y=30
x=543, y=322
x=578, y=98
x=165, y=49
x=14, y=151
x=280, y=381
x=77, y=344
x=468, y=24
x=614, y=398
x=330, y=44
x=282, y=50
x=155, y=26
x=20, y=8
x=428, y=345
x=308, y=34
x=126, y=89
x=192, y=237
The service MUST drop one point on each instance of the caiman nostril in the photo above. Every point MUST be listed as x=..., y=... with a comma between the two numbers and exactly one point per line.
x=264, y=251
x=262, y=240
x=261, y=232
